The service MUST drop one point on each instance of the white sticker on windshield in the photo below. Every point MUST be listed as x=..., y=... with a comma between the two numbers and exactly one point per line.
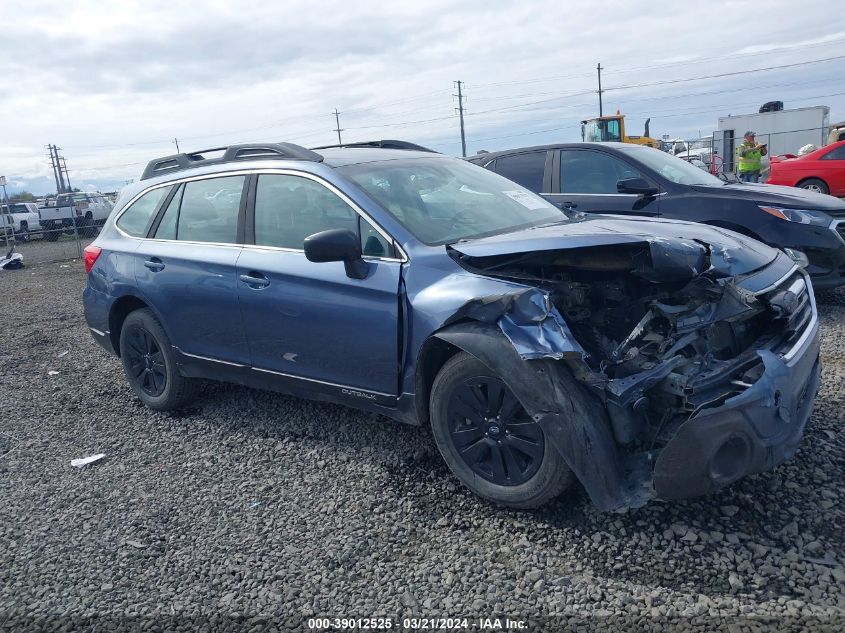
x=527, y=200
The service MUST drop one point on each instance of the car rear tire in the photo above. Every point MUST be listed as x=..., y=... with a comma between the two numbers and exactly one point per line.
x=488, y=440
x=150, y=365
x=23, y=233
x=814, y=184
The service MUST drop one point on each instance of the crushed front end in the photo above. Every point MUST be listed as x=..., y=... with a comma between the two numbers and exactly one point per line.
x=707, y=369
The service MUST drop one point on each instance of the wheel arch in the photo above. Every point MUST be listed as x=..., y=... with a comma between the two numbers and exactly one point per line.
x=434, y=353
x=121, y=309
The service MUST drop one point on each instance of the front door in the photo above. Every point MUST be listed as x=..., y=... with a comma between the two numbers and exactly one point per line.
x=187, y=269
x=310, y=320
x=585, y=180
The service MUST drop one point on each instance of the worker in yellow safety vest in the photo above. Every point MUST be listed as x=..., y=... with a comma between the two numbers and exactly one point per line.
x=750, y=158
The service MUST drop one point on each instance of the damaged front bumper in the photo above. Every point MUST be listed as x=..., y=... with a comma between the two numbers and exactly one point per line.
x=750, y=433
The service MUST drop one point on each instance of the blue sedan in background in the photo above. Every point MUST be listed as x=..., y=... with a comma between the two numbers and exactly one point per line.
x=643, y=358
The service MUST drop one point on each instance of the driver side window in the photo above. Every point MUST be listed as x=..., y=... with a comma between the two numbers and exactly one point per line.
x=588, y=171
x=290, y=208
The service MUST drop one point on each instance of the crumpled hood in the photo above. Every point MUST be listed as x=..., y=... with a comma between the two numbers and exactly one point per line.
x=778, y=195
x=729, y=253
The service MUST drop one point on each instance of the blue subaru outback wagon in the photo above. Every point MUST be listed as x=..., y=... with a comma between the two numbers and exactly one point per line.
x=642, y=358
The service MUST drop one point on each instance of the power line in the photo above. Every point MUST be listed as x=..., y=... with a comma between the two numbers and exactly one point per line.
x=728, y=105
x=551, y=129
x=400, y=124
x=686, y=62
x=730, y=74
x=522, y=106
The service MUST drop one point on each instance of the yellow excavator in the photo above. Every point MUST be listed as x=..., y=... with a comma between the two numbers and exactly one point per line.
x=611, y=128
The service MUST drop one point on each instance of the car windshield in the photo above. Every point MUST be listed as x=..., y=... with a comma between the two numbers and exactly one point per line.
x=443, y=200
x=671, y=167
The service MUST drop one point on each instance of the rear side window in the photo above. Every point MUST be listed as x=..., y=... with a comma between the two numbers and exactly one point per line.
x=524, y=169
x=835, y=154
x=136, y=219
x=204, y=211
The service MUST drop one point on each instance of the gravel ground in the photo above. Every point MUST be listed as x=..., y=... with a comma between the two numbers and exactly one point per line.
x=258, y=509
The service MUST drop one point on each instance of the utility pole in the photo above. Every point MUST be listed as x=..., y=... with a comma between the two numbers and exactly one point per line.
x=599, y=70
x=67, y=175
x=60, y=178
x=55, y=169
x=176, y=141
x=460, y=97
x=337, y=129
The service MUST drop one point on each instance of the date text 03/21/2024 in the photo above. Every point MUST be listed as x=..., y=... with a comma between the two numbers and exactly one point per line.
x=417, y=624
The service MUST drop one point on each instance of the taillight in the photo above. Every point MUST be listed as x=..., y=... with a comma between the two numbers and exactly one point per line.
x=91, y=253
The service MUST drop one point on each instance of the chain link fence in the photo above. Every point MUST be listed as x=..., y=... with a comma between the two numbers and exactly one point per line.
x=23, y=233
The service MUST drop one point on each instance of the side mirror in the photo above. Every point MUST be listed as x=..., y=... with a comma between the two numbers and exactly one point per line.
x=637, y=186
x=337, y=245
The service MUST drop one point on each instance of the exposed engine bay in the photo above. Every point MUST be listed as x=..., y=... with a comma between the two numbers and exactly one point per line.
x=664, y=326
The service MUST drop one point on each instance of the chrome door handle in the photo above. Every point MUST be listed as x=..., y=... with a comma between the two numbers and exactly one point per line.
x=154, y=264
x=255, y=281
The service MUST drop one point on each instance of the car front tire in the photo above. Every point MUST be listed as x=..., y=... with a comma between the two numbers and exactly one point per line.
x=150, y=364
x=488, y=440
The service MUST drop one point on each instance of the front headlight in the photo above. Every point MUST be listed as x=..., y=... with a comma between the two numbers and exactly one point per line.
x=801, y=216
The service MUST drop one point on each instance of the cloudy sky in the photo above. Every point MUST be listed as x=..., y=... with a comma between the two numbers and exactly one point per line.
x=113, y=83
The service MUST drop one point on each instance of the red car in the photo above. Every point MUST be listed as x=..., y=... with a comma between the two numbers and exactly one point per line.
x=822, y=170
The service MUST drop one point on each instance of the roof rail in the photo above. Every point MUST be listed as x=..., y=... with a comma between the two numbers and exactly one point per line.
x=384, y=144
x=232, y=153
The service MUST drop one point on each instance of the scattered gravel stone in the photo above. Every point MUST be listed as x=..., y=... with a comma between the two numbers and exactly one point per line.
x=250, y=507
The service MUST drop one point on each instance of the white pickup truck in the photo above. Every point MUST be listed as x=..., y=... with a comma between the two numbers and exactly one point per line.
x=83, y=210
x=20, y=218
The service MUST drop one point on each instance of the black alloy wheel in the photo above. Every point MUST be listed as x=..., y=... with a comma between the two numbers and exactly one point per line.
x=492, y=432
x=145, y=361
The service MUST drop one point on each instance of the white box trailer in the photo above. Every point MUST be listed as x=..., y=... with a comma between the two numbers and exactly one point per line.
x=784, y=131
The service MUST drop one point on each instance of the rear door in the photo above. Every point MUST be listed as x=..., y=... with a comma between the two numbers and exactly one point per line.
x=310, y=320
x=187, y=268
x=585, y=180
